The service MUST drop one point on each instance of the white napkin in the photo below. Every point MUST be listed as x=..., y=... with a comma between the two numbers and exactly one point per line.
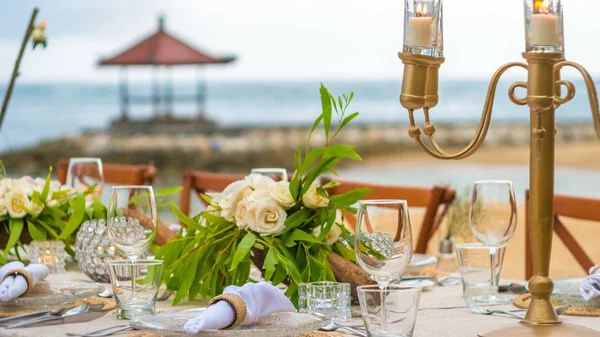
x=15, y=286
x=590, y=287
x=261, y=300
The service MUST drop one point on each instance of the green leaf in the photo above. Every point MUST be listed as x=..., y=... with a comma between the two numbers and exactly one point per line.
x=2, y=258
x=310, y=159
x=295, y=185
x=327, y=227
x=315, y=125
x=48, y=228
x=270, y=264
x=297, y=218
x=167, y=191
x=280, y=275
x=324, y=166
x=37, y=233
x=340, y=103
x=349, y=198
x=47, y=185
x=15, y=226
x=347, y=120
x=189, y=222
x=331, y=184
x=342, y=151
x=243, y=249
x=300, y=235
x=78, y=206
x=326, y=104
x=187, y=277
x=344, y=251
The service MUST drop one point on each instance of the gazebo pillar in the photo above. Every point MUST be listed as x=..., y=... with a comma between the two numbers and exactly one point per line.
x=169, y=92
x=123, y=93
x=201, y=92
x=156, y=94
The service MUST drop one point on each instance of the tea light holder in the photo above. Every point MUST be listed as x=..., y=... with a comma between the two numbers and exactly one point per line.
x=49, y=253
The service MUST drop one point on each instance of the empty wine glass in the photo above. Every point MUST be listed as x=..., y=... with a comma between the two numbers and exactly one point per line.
x=383, y=239
x=132, y=220
x=275, y=173
x=84, y=173
x=493, y=219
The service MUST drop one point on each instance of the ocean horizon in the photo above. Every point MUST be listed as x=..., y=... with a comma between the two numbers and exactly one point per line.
x=39, y=112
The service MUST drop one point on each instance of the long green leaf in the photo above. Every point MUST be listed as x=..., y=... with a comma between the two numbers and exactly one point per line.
x=347, y=120
x=297, y=218
x=189, y=222
x=300, y=235
x=15, y=227
x=342, y=151
x=243, y=249
x=78, y=206
x=47, y=185
x=349, y=198
x=38, y=233
x=187, y=277
x=326, y=104
x=310, y=159
x=270, y=264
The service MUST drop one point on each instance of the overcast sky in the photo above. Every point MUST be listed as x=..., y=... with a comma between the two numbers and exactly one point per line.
x=281, y=39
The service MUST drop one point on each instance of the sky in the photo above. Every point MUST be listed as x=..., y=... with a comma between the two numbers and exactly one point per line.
x=280, y=39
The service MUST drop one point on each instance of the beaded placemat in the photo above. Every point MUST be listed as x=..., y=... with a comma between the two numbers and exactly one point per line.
x=523, y=300
x=109, y=304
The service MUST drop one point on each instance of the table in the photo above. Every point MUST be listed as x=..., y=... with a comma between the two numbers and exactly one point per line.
x=442, y=313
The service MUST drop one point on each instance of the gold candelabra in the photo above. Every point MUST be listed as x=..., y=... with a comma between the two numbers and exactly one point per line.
x=544, y=85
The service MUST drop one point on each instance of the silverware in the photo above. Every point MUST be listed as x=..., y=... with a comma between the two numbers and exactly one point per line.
x=332, y=326
x=107, y=293
x=165, y=295
x=73, y=311
x=480, y=311
x=443, y=281
x=102, y=332
x=57, y=312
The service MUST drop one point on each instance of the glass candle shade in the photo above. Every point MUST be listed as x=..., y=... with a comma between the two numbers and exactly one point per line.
x=423, y=29
x=544, y=26
x=49, y=253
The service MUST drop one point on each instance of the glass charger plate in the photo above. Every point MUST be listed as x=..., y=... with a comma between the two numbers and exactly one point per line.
x=281, y=324
x=566, y=292
x=421, y=260
x=53, y=294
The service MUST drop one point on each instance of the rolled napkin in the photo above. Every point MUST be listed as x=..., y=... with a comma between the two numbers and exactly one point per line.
x=590, y=287
x=17, y=280
x=227, y=312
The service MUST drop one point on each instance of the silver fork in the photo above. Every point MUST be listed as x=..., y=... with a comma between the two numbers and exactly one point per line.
x=480, y=311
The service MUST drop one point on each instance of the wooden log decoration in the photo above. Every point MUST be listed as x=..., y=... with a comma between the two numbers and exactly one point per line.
x=348, y=272
x=163, y=233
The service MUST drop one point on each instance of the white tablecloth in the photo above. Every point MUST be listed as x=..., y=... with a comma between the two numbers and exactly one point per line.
x=442, y=313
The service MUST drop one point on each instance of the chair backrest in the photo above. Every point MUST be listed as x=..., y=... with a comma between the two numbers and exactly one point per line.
x=203, y=182
x=115, y=174
x=432, y=199
x=571, y=207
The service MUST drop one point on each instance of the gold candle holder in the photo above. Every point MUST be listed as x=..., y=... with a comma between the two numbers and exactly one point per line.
x=545, y=59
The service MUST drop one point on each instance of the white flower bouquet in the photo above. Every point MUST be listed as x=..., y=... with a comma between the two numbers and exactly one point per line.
x=41, y=209
x=288, y=230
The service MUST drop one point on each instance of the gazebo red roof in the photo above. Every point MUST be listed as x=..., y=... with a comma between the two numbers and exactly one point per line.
x=162, y=48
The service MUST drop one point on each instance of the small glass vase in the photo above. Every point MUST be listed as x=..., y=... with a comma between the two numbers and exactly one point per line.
x=544, y=26
x=423, y=28
x=447, y=262
x=49, y=253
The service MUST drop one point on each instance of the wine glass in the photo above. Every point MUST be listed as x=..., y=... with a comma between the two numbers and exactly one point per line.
x=84, y=173
x=383, y=239
x=275, y=173
x=132, y=220
x=493, y=219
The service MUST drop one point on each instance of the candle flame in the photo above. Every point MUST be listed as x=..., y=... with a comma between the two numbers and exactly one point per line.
x=541, y=6
x=421, y=10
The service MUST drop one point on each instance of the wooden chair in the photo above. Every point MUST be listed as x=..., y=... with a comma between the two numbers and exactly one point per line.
x=434, y=199
x=571, y=207
x=115, y=174
x=203, y=182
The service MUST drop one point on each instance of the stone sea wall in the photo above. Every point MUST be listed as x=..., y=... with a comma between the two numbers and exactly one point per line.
x=237, y=150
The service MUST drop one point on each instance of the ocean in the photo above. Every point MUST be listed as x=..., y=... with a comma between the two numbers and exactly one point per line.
x=46, y=111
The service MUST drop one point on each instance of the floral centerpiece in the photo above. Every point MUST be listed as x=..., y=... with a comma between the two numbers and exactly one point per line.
x=41, y=209
x=286, y=229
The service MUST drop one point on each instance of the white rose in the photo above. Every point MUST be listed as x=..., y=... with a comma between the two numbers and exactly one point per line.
x=3, y=209
x=257, y=181
x=312, y=199
x=260, y=193
x=265, y=217
x=240, y=214
x=36, y=207
x=16, y=202
x=52, y=203
x=280, y=191
x=229, y=204
x=332, y=236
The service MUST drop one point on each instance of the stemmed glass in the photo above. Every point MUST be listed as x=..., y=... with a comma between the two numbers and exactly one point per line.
x=493, y=219
x=84, y=173
x=383, y=242
x=132, y=219
x=275, y=173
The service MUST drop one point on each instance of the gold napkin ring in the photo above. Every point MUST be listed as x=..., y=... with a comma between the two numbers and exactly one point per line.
x=23, y=273
x=238, y=304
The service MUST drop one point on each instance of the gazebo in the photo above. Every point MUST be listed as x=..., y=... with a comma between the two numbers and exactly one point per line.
x=162, y=49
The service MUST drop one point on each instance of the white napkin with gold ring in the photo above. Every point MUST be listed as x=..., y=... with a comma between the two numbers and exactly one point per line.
x=590, y=287
x=16, y=280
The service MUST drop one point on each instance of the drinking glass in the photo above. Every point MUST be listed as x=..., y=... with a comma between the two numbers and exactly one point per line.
x=135, y=285
x=84, y=173
x=476, y=269
x=400, y=317
x=131, y=219
x=383, y=239
x=493, y=219
x=275, y=173
x=331, y=299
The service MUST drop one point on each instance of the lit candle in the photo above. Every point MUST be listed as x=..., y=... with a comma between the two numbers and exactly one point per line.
x=419, y=28
x=544, y=26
